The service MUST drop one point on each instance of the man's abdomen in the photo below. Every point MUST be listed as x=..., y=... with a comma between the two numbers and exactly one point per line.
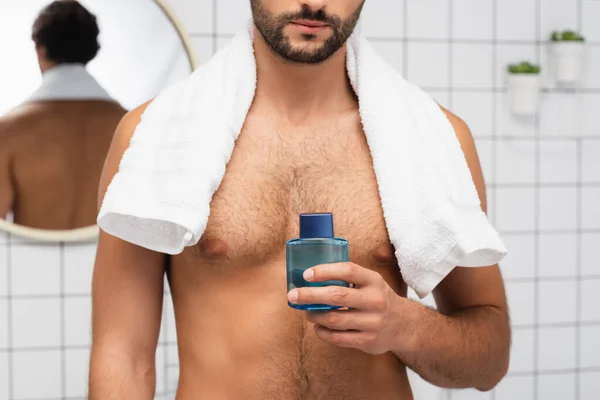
x=238, y=339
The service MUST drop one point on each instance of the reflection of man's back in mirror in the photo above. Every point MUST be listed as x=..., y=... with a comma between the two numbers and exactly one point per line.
x=52, y=147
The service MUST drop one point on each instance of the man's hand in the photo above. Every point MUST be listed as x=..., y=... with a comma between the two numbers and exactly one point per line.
x=371, y=323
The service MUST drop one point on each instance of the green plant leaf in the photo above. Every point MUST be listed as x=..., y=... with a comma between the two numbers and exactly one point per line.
x=524, y=68
x=567, y=36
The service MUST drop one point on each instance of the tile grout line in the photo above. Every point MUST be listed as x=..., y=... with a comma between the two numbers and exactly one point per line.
x=552, y=372
x=593, y=43
x=405, y=41
x=10, y=358
x=579, y=222
x=536, y=238
x=63, y=322
x=214, y=34
x=552, y=325
x=578, y=298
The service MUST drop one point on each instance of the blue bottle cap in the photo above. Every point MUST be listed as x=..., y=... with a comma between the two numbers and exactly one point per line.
x=314, y=226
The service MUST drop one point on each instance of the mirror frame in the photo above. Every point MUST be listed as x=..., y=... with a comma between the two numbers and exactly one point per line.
x=90, y=233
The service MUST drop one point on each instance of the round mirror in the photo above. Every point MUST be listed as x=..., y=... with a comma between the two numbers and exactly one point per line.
x=75, y=69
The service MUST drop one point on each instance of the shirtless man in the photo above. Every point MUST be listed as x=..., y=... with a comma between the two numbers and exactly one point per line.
x=52, y=151
x=302, y=149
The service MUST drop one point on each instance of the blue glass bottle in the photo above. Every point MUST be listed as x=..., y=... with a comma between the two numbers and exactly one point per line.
x=316, y=245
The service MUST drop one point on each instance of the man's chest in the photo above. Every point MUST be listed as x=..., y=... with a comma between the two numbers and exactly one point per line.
x=273, y=177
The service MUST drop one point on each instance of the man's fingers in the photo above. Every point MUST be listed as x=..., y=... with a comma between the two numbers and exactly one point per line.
x=331, y=295
x=351, y=339
x=346, y=271
x=347, y=320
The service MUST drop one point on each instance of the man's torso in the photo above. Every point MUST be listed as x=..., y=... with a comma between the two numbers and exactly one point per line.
x=237, y=337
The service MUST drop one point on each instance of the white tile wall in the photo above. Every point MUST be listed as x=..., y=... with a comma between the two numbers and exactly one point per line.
x=590, y=122
x=557, y=302
x=39, y=271
x=558, y=256
x=560, y=115
x=557, y=15
x=383, y=18
x=558, y=161
x=556, y=386
x=589, y=15
x=78, y=274
x=516, y=387
x=520, y=261
x=160, y=371
x=509, y=126
x=558, y=208
x=592, y=65
x=3, y=324
x=36, y=323
x=557, y=349
x=515, y=210
x=589, y=347
x=521, y=299
x=458, y=51
x=428, y=64
x=590, y=209
x=231, y=23
x=428, y=19
x=590, y=298
x=77, y=369
x=521, y=356
x=3, y=268
x=5, y=377
x=514, y=20
x=478, y=72
x=589, y=385
x=590, y=262
x=472, y=19
x=513, y=161
x=591, y=162
x=35, y=375
x=477, y=110
x=78, y=314
x=470, y=394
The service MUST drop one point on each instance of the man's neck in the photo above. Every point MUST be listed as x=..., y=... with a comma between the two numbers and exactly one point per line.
x=300, y=91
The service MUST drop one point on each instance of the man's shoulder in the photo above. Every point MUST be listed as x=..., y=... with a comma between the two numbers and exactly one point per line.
x=461, y=129
x=129, y=122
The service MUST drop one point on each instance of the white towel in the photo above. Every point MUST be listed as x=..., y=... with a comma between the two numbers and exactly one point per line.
x=160, y=197
x=69, y=82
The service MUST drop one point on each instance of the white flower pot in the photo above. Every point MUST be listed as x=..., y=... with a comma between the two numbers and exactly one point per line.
x=524, y=91
x=568, y=61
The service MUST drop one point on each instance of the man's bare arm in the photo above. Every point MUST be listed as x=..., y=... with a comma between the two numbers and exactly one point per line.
x=467, y=343
x=127, y=293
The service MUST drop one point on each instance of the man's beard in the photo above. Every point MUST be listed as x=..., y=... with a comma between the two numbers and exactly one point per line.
x=272, y=29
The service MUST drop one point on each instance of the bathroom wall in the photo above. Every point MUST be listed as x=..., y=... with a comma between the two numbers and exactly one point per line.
x=543, y=178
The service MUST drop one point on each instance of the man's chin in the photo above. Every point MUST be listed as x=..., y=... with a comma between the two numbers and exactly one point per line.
x=309, y=49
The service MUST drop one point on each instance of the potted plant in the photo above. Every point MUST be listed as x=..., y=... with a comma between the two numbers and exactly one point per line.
x=567, y=51
x=524, y=87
